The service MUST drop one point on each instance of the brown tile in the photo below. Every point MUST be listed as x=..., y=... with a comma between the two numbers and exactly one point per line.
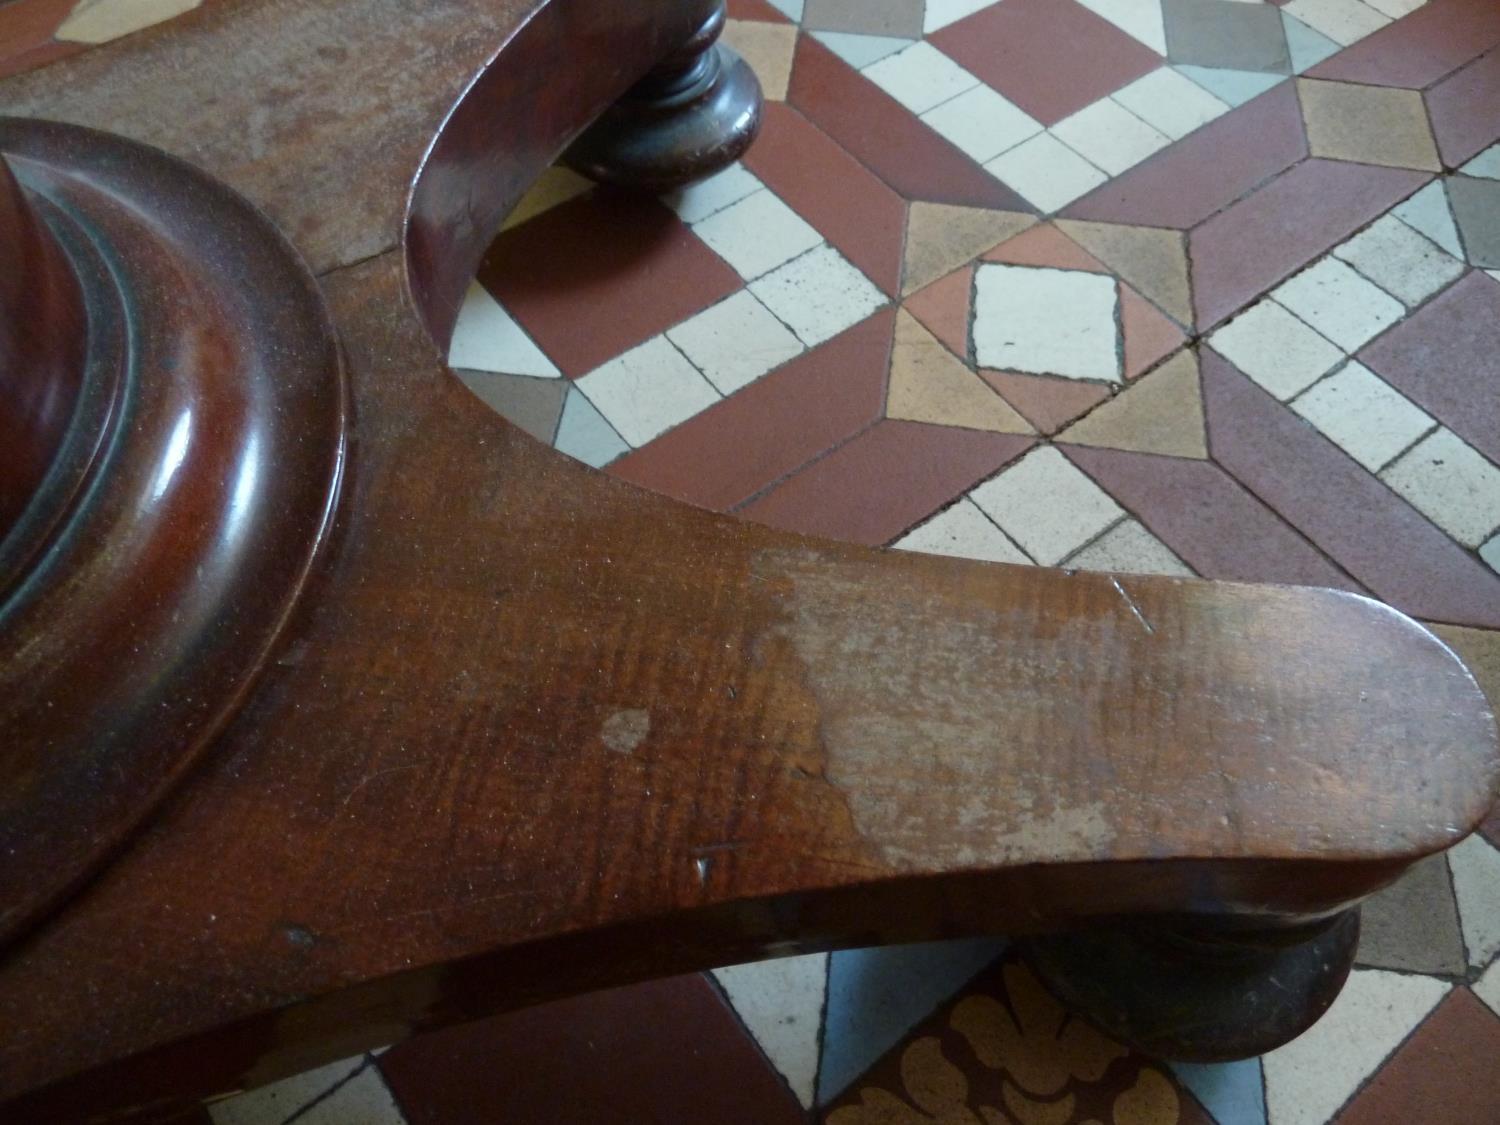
x=1163, y=414
x=1048, y=247
x=1465, y=110
x=768, y=48
x=534, y=405
x=884, y=481
x=1367, y=124
x=901, y=18
x=1149, y=336
x=756, y=10
x=1280, y=227
x=755, y=437
x=1413, y=924
x=1446, y=358
x=1445, y=1072
x=663, y=1052
x=1420, y=48
x=848, y=204
x=626, y=258
x=940, y=237
x=1209, y=519
x=1232, y=37
x=1153, y=260
x=1476, y=210
x=1186, y=183
x=1018, y=48
x=26, y=28
x=928, y=384
x=1047, y=403
x=1359, y=522
x=891, y=142
x=944, y=307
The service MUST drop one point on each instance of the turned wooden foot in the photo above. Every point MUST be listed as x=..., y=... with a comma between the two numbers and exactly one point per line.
x=692, y=116
x=1195, y=993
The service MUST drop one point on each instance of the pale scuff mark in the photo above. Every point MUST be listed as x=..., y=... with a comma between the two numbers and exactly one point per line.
x=1135, y=609
x=623, y=731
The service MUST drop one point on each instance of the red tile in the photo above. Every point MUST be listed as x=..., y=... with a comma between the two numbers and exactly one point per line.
x=26, y=28
x=1360, y=523
x=847, y=203
x=881, y=133
x=1208, y=518
x=1465, y=110
x=663, y=1052
x=1050, y=57
x=1418, y=49
x=944, y=307
x=1047, y=403
x=1281, y=227
x=1445, y=1072
x=1048, y=247
x=625, y=258
x=1149, y=336
x=755, y=10
x=1182, y=185
x=737, y=447
x=1446, y=358
x=884, y=481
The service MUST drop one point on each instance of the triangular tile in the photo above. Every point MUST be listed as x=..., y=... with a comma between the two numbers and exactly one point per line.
x=1233, y=86
x=1307, y=47
x=1048, y=247
x=940, y=237
x=1048, y=403
x=1151, y=259
x=1232, y=1093
x=859, y=51
x=1476, y=884
x=929, y=385
x=1149, y=336
x=781, y=1002
x=944, y=308
x=1162, y=413
x=1428, y=212
x=487, y=338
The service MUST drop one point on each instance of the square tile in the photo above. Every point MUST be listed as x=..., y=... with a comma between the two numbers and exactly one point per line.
x=964, y=532
x=757, y=234
x=982, y=123
x=920, y=77
x=1368, y=125
x=1343, y=21
x=1047, y=322
x=1046, y=172
x=735, y=342
x=1047, y=505
x=697, y=202
x=1275, y=349
x=648, y=390
x=1363, y=415
x=1128, y=548
x=1407, y=265
x=1476, y=208
x=867, y=17
x=487, y=338
x=1226, y=35
x=818, y=295
x=1109, y=136
x=1339, y=303
x=1450, y=484
x=1170, y=103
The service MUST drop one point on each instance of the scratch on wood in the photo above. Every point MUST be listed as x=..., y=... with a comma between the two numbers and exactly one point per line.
x=1135, y=609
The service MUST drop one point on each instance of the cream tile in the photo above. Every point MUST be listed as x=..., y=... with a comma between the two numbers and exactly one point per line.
x=1476, y=884
x=647, y=391
x=859, y=51
x=818, y=295
x=1109, y=136
x=735, y=342
x=1172, y=104
x=781, y=1002
x=1128, y=548
x=697, y=202
x=1487, y=987
x=487, y=338
x=1367, y=125
x=768, y=48
x=273, y=1104
x=1047, y=322
x=555, y=186
x=1429, y=213
x=1046, y=172
x=1339, y=303
x=1275, y=349
x=1363, y=415
x=920, y=77
x=1047, y=505
x=1140, y=19
x=940, y=13
x=964, y=532
x=757, y=234
x=982, y=123
x=1407, y=265
x=1451, y=484
x=364, y=1099
x=99, y=21
x=1343, y=21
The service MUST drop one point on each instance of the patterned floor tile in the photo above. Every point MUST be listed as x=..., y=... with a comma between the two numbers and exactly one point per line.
x=279, y=1101
x=583, y=433
x=1367, y=124
x=487, y=338
x=735, y=342
x=1343, y=21
x=535, y=405
x=1456, y=487
x=1232, y=1093
x=1413, y=925
x=1170, y=103
x=1046, y=172
x=818, y=295
x=929, y=384
x=647, y=390
x=1232, y=36
x=768, y=48
x=1406, y=264
x=1306, y=47
x=1162, y=413
x=942, y=237
x=1047, y=506
x=1475, y=864
x=1109, y=136
x=1364, y=416
x=963, y=531
x=781, y=1003
x=1154, y=261
x=982, y=123
x=1281, y=353
x=102, y=21
x=1339, y=304
x=1465, y=110
x=757, y=234
x=1047, y=322
x=944, y=308
x=1047, y=402
x=1476, y=210
x=1128, y=548
x=1420, y=49
x=867, y=17
x=1149, y=336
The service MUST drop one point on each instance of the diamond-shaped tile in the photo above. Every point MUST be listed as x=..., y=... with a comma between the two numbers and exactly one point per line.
x=1047, y=322
x=1225, y=34
x=1343, y=21
x=1367, y=125
x=1109, y=136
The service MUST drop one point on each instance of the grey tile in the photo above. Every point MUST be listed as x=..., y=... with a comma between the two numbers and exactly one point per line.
x=901, y=18
x=533, y=404
x=1227, y=35
x=1413, y=924
x=1476, y=207
x=583, y=433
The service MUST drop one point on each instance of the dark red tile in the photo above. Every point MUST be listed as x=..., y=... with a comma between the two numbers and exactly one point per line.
x=880, y=132
x=1282, y=226
x=1446, y=358
x=884, y=481
x=26, y=28
x=1050, y=57
x=1445, y=1072
x=752, y=439
x=1047, y=403
x=755, y=10
x=1182, y=185
x=943, y=308
x=659, y=1053
x=1360, y=523
x=625, y=258
x=1208, y=518
x=848, y=204
x=1420, y=48
x=1465, y=110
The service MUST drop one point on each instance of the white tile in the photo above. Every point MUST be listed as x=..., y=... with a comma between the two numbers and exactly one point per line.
x=1487, y=987
x=1307, y=47
x=1140, y=19
x=1407, y=265
x=1486, y=165
x=1343, y=306
x=487, y=338
x=582, y=432
x=1109, y=136
x=818, y=295
x=1396, y=8
x=859, y=51
x=982, y=123
x=781, y=1002
x=697, y=202
x=1047, y=322
x=273, y=1104
x=757, y=234
x=648, y=390
x=1313, y=1075
x=1128, y=548
x=940, y=13
x=1451, y=484
x=1047, y=172
x=920, y=77
x=735, y=342
x=1476, y=885
x=1490, y=553
x=1047, y=505
x=364, y=1099
x=101, y=22
x=965, y=532
x=1428, y=212
x=1171, y=103
x=1235, y=87
x=1275, y=349
x=1363, y=415
x=1343, y=21
x=791, y=9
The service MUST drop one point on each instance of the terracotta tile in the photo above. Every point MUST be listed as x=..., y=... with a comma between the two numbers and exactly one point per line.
x=1154, y=261
x=848, y=204
x=1185, y=184
x=1444, y=1072
x=1421, y=48
x=1163, y=413
x=1046, y=402
x=1360, y=523
x=756, y=10
x=1476, y=209
x=1149, y=336
x=1444, y=357
x=944, y=307
x=632, y=263
x=892, y=143
x=1367, y=124
x=884, y=481
x=1465, y=110
x=1231, y=37
x=668, y=1050
x=902, y=18
x=1413, y=924
x=941, y=237
x=768, y=48
x=26, y=28
x=1045, y=246
x=1210, y=520
x=739, y=446
x=928, y=384
x=1015, y=47
x=1281, y=226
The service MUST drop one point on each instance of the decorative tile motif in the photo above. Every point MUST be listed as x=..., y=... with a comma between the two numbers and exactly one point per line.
x=962, y=531
x=1047, y=506
x=1413, y=925
x=1047, y=322
x=101, y=21
x=1226, y=35
x=781, y=1003
x=1367, y=124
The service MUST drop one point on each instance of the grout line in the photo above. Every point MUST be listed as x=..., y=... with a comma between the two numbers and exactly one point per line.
x=365, y=1063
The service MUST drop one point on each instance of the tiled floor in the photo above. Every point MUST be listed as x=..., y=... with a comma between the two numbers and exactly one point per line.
x=1178, y=286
